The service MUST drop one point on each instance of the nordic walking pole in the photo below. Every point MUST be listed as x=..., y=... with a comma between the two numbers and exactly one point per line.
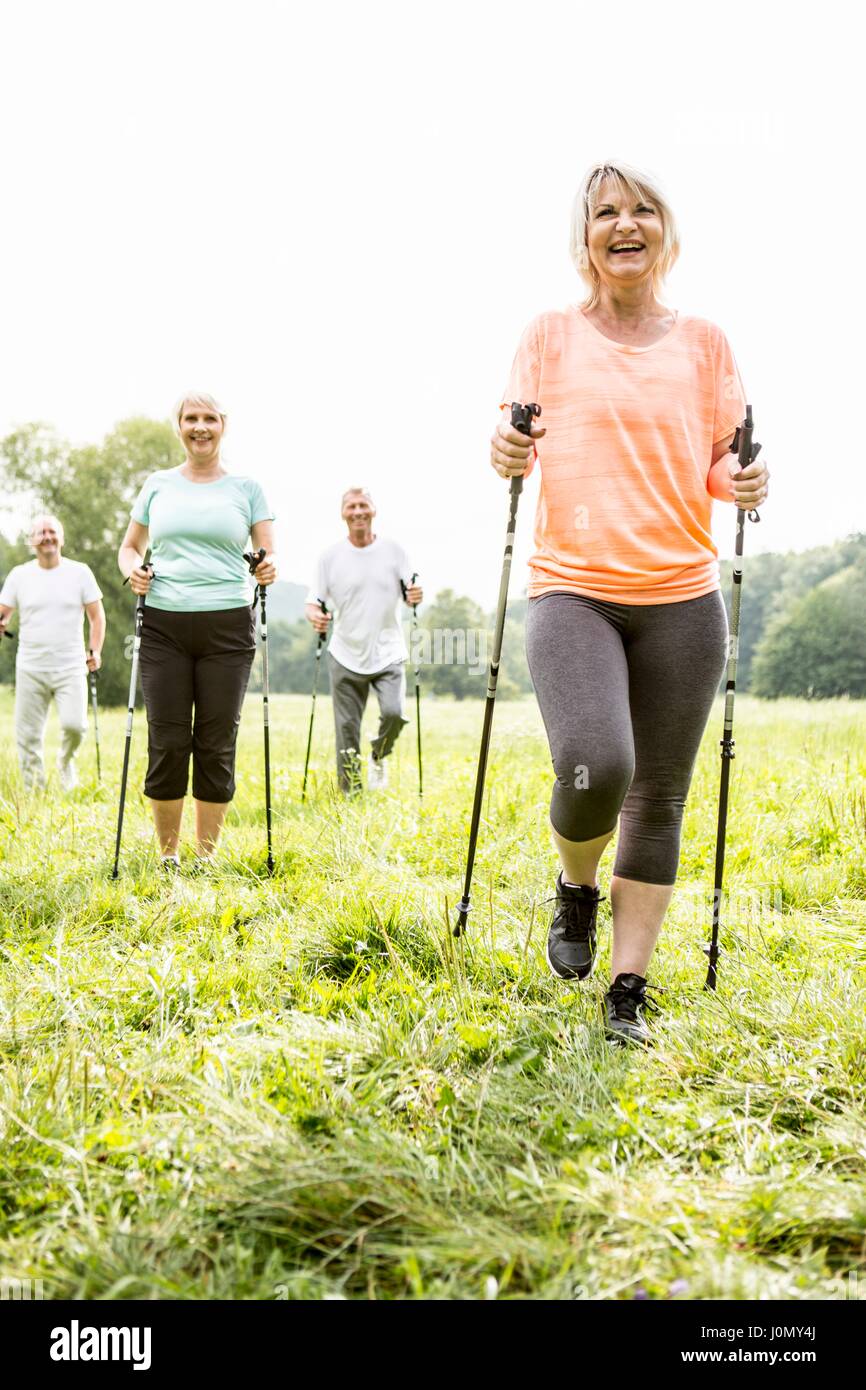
x=253, y=560
x=91, y=680
x=521, y=419
x=323, y=637
x=133, y=680
x=746, y=452
x=417, y=686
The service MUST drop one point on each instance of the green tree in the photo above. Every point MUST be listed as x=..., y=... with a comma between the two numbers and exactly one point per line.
x=291, y=659
x=763, y=580
x=11, y=554
x=514, y=678
x=91, y=490
x=772, y=584
x=454, y=643
x=817, y=647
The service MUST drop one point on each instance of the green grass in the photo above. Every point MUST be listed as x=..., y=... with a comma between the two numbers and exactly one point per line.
x=228, y=1086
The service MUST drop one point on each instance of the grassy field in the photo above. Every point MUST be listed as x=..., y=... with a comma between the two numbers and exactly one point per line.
x=227, y=1086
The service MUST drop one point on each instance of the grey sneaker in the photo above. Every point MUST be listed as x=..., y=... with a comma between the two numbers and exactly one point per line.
x=624, y=1006
x=571, y=939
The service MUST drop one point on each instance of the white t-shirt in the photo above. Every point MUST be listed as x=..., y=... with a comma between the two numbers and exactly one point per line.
x=362, y=585
x=50, y=605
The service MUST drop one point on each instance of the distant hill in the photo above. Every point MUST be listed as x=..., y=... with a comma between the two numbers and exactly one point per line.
x=286, y=602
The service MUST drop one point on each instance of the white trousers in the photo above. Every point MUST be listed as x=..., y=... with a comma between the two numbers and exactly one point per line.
x=34, y=692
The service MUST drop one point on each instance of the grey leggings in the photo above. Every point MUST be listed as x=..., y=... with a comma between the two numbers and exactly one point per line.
x=625, y=691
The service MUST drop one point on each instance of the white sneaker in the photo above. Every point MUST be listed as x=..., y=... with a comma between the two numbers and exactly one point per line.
x=68, y=776
x=377, y=774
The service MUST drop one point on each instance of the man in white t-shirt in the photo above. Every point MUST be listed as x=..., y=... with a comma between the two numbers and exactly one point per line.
x=51, y=594
x=364, y=579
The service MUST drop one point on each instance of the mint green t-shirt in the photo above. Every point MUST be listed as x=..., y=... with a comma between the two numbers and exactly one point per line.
x=198, y=535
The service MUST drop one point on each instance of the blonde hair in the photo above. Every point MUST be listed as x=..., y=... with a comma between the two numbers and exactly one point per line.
x=626, y=179
x=197, y=398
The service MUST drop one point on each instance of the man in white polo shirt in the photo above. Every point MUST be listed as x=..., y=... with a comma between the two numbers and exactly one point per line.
x=364, y=579
x=51, y=593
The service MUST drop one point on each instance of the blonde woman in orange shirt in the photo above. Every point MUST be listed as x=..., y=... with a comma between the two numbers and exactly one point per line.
x=626, y=631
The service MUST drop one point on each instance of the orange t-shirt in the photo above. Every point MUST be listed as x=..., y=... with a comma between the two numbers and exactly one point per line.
x=626, y=483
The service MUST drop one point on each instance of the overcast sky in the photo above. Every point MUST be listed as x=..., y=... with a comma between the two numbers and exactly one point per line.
x=339, y=217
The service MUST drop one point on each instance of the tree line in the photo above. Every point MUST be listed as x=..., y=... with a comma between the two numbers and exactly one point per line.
x=802, y=629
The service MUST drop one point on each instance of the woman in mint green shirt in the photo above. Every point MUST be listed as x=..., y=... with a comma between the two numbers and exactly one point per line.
x=198, y=636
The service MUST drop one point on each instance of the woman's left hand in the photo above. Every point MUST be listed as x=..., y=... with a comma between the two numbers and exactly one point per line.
x=750, y=486
x=265, y=571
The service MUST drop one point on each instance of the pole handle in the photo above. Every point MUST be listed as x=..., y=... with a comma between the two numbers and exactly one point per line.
x=522, y=416
x=146, y=566
x=521, y=420
x=405, y=590
x=254, y=559
x=323, y=636
x=746, y=450
x=141, y=599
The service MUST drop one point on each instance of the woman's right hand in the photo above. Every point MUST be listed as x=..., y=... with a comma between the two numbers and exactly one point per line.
x=140, y=580
x=510, y=451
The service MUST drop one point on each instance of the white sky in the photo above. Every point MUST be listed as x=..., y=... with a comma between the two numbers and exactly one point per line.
x=339, y=217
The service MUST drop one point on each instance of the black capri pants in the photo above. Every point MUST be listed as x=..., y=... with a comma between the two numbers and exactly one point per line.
x=625, y=691
x=195, y=661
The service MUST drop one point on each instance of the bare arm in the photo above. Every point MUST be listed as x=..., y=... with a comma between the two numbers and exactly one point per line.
x=5, y=611
x=130, y=557
x=96, y=624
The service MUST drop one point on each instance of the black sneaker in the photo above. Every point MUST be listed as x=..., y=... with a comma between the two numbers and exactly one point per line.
x=624, y=1004
x=571, y=939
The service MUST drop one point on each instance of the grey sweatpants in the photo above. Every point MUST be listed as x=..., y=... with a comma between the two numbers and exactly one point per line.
x=625, y=691
x=349, y=691
x=34, y=692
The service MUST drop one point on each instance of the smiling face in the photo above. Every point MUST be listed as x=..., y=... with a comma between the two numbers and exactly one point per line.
x=624, y=235
x=201, y=431
x=358, y=511
x=46, y=538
